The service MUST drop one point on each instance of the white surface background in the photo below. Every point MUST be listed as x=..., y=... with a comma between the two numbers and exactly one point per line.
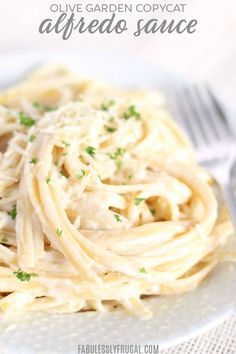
x=209, y=54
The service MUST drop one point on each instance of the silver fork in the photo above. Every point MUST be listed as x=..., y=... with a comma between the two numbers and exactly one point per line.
x=205, y=123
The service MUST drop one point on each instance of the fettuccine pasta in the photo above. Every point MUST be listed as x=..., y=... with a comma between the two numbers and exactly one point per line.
x=101, y=199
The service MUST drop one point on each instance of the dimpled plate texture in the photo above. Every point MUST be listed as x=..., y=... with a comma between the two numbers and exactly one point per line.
x=176, y=318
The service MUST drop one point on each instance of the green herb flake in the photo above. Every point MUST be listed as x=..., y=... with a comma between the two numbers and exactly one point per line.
x=13, y=212
x=130, y=176
x=117, y=217
x=34, y=160
x=4, y=239
x=142, y=270
x=90, y=150
x=48, y=179
x=32, y=138
x=43, y=107
x=106, y=105
x=65, y=143
x=152, y=211
x=138, y=201
x=131, y=112
x=23, y=276
x=117, y=153
x=26, y=120
x=58, y=232
x=81, y=174
x=110, y=129
x=64, y=174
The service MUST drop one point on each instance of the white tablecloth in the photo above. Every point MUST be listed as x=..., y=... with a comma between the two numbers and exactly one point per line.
x=220, y=340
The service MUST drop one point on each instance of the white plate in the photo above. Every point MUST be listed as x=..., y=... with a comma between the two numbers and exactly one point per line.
x=176, y=317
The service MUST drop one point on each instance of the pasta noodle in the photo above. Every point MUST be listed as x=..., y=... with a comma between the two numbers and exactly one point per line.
x=101, y=199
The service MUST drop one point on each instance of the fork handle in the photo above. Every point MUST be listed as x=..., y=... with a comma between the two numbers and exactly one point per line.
x=230, y=201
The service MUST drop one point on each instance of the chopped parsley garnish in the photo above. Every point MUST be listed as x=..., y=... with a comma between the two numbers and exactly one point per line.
x=131, y=112
x=13, y=212
x=48, y=179
x=106, y=105
x=138, y=201
x=142, y=270
x=32, y=138
x=23, y=276
x=34, y=160
x=81, y=174
x=58, y=232
x=43, y=107
x=65, y=143
x=117, y=217
x=117, y=153
x=130, y=176
x=110, y=129
x=152, y=211
x=4, y=240
x=26, y=120
x=90, y=150
x=64, y=174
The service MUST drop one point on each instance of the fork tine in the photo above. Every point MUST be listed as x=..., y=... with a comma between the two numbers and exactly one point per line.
x=191, y=119
x=217, y=115
x=203, y=116
x=177, y=111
